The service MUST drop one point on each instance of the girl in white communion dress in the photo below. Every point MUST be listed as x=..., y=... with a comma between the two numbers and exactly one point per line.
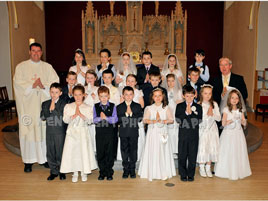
x=208, y=148
x=157, y=160
x=233, y=160
x=78, y=152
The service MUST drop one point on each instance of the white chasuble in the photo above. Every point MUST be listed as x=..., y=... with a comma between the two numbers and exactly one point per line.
x=32, y=132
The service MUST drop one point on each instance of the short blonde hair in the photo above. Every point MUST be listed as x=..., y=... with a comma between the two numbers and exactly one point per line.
x=225, y=58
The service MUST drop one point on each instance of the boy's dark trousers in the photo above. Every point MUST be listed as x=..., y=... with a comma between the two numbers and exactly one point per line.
x=55, y=143
x=129, y=148
x=188, y=147
x=105, y=151
x=129, y=133
x=188, y=137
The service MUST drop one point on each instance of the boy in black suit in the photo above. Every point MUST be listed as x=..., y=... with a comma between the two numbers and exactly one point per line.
x=105, y=118
x=188, y=115
x=129, y=114
x=67, y=91
x=194, y=81
x=52, y=113
x=105, y=57
x=143, y=70
x=155, y=79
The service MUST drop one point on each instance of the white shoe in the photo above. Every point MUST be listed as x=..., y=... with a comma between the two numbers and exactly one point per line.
x=202, y=170
x=75, y=177
x=83, y=177
x=175, y=156
x=208, y=171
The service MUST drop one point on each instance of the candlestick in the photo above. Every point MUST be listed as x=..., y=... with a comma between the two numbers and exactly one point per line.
x=31, y=40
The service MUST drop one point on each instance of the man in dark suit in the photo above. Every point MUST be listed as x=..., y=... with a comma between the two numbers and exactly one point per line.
x=227, y=78
x=67, y=91
x=143, y=70
x=129, y=114
x=52, y=113
x=188, y=115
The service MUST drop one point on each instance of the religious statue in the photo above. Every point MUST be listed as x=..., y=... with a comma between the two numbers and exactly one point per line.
x=178, y=38
x=90, y=34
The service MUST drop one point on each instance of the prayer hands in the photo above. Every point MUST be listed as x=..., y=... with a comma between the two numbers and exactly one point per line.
x=158, y=117
x=93, y=95
x=52, y=105
x=102, y=116
x=78, y=66
x=103, y=66
x=147, y=77
x=38, y=83
x=129, y=111
x=188, y=109
x=78, y=113
x=210, y=111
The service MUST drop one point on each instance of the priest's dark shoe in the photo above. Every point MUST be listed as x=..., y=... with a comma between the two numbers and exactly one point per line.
x=125, y=175
x=183, y=178
x=190, y=178
x=109, y=178
x=101, y=177
x=28, y=167
x=62, y=176
x=52, y=177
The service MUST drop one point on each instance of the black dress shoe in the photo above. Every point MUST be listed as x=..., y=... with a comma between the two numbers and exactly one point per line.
x=133, y=175
x=190, y=178
x=101, y=177
x=125, y=175
x=45, y=165
x=109, y=178
x=27, y=167
x=62, y=176
x=183, y=178
x=52, y=177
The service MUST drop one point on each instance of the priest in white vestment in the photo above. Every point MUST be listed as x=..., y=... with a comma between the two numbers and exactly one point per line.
x=32, y=80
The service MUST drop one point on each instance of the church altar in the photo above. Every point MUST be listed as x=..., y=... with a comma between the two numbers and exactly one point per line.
x=135, y=33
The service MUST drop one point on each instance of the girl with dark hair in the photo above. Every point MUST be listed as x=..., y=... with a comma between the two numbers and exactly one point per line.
x=157, y=160
x=79, y=66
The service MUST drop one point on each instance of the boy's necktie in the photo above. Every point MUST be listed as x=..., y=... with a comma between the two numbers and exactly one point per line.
x=104, y=107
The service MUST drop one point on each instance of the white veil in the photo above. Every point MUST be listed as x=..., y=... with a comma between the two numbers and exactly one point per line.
x=131, y=67
x=165, y=70
x=223, y=103
x=177, y=88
